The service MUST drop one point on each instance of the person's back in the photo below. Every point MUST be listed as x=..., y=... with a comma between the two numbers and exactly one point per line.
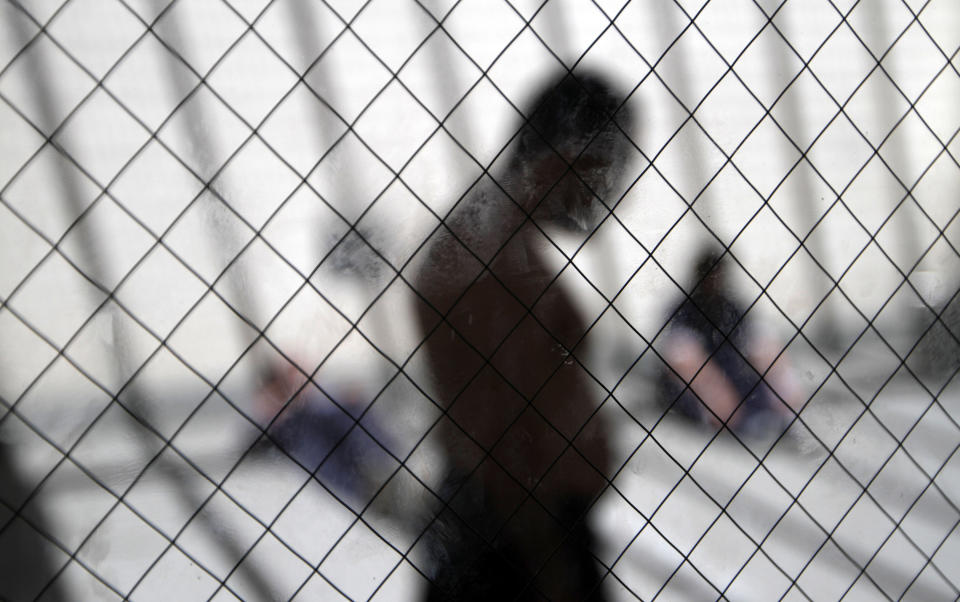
x=526, y=455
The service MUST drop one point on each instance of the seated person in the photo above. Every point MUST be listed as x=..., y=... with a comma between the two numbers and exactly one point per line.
x=322, y=434
x=715, y=361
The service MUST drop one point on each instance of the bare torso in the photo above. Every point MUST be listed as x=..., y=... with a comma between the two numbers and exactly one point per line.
x=519, y=405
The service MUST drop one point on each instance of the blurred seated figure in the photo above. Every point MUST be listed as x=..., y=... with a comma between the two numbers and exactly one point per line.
x=524, y=446
x=321, y=433
x=716, y=360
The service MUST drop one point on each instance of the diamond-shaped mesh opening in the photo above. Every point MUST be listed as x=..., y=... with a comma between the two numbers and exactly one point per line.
x=337, y=300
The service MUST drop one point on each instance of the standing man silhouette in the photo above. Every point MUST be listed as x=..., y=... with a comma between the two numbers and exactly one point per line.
x=525, y=450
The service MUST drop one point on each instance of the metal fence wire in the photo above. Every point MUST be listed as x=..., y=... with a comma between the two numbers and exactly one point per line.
x=218, y=220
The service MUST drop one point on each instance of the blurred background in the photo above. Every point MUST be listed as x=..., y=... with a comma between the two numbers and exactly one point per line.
x=207, y=206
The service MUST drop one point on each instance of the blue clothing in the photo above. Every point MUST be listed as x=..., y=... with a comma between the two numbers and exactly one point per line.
x=719, y=325
x=326, y=439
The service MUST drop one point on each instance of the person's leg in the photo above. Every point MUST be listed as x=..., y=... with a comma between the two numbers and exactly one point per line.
x=761, y=415
x=687, y=356
x=767, y=356
x=467, y=568
x=569, y=572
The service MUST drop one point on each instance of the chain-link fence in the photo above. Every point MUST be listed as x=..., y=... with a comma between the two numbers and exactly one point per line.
x=216, y=224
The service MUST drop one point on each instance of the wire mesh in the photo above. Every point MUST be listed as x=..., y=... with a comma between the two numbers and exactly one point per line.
x=215, y=211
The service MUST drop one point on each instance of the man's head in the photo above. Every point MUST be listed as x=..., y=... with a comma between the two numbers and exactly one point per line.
x=571, y=152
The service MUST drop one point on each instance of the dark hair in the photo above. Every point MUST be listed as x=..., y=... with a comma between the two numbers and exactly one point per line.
x=568, y=113
x=709, y=260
